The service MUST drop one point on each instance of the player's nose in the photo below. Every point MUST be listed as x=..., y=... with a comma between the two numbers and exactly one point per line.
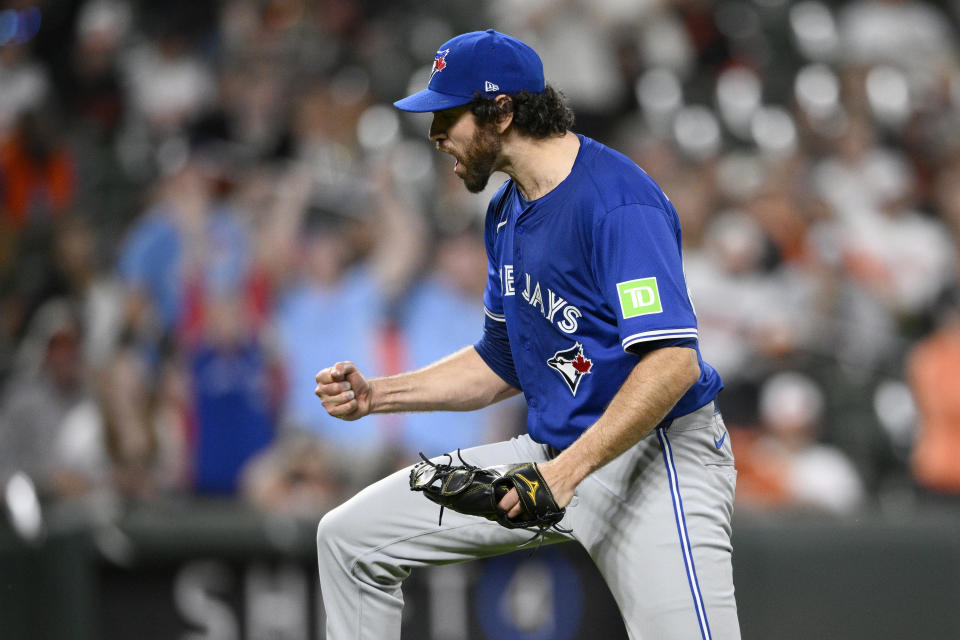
x=437, y=131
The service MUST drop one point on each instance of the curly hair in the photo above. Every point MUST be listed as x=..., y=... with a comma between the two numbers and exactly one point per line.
x=538, y=115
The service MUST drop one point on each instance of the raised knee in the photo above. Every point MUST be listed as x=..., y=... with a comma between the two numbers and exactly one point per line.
x=340, y=548
x=331, y=531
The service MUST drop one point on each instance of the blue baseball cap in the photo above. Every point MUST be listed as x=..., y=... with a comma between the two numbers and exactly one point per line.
x=486, y=61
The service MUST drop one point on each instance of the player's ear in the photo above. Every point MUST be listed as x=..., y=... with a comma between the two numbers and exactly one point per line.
x=504, y=112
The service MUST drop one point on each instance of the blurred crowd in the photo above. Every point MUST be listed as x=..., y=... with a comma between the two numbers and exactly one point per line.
x=204, y=203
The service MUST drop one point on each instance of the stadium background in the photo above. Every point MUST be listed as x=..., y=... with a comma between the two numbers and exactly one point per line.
x=203, y=203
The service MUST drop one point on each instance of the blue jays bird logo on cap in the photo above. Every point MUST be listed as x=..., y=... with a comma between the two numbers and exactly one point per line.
x=572, y=365
x=439, y=61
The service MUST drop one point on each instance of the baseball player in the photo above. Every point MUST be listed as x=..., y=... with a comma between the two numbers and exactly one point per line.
x=588, y=315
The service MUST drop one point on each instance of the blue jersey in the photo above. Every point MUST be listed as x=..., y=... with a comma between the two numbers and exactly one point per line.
x=582, y=281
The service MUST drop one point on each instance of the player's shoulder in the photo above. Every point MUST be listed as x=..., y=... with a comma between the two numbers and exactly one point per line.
x=615, y=181
x=600, y=154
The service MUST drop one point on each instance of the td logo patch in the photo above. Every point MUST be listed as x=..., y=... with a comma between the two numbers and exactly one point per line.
x=572, y=365
x=639, y=297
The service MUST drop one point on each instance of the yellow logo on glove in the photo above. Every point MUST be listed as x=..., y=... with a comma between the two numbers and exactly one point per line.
x=533, y=488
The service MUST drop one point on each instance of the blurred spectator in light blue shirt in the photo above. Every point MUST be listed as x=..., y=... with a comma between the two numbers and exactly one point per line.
x=186, y=243
x=442, y=314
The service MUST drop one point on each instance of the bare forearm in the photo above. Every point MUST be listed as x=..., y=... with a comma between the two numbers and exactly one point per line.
x=460, y=382
x=654, y=386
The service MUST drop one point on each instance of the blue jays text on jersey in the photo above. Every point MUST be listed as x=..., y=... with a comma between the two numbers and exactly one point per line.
x=580, y=282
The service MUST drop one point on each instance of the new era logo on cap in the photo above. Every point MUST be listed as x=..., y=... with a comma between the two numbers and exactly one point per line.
x=464, y=66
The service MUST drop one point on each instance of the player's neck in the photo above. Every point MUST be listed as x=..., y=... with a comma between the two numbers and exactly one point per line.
x=538, y=166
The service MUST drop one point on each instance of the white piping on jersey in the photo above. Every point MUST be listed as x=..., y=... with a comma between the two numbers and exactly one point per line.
x=499, y=317
x=659, y=334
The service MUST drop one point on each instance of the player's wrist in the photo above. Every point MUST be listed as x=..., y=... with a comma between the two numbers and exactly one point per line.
x=388, y=394
x=564, y=473
x=374, y=393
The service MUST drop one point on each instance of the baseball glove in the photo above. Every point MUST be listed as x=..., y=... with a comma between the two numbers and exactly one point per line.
x=476, y=491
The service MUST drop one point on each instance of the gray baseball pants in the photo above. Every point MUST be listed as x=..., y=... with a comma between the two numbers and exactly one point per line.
x=656, y=521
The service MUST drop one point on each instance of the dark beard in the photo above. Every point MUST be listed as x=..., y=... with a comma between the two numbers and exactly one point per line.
x=480, y=158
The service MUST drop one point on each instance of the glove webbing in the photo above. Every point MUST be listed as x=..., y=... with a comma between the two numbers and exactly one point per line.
x=443, y=468
x=542, y=529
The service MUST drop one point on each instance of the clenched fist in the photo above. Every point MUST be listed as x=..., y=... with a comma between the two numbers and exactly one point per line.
x=344, y=391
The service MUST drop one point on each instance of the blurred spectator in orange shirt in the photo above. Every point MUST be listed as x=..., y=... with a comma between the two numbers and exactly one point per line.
x=36, y=173
x=933, y=370
x=785, y=466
